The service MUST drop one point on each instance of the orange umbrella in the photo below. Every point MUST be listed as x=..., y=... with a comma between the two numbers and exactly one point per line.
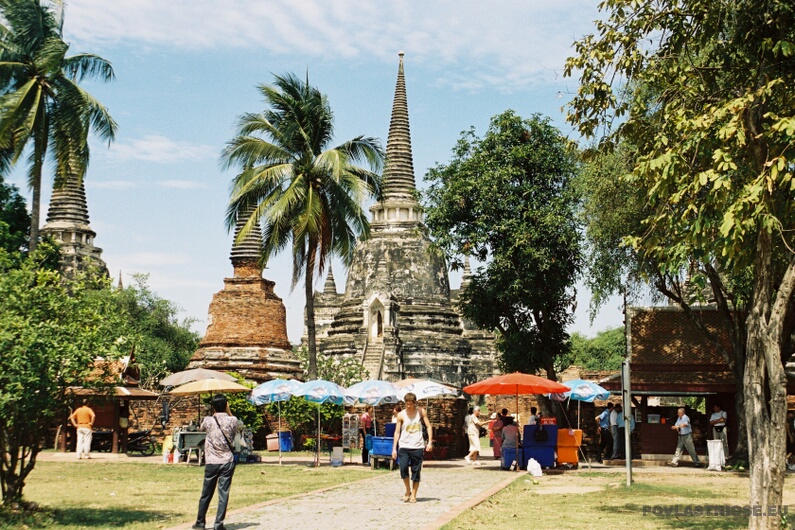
x=516, y=383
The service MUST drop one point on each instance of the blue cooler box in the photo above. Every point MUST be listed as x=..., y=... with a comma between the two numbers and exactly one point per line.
x=382, y=446
x=389, y=429
x=543, y=455
x=509, y=456
x=528, y=436
x=286, y=441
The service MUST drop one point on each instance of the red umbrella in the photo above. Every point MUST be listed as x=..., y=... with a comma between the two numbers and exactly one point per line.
x=516, y=383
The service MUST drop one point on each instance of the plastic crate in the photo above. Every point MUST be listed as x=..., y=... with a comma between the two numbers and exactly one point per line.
x=286, y=441
x=272, y=441
x=509, y=456
x=389, y=429
x=382, y=445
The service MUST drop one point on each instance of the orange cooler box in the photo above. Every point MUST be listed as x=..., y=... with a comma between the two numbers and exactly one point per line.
x=568, y=446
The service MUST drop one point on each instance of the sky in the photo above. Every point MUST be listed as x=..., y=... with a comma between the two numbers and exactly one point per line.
x=187, y=69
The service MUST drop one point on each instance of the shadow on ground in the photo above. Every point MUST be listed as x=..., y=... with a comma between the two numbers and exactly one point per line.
x=108, y=517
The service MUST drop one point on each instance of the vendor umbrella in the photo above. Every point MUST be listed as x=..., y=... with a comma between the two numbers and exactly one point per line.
x=581, y=390
x=207, y=386
x=194, y=374
x=274, y=391
x=515, y=383
x=320, y=391
x=425, y=388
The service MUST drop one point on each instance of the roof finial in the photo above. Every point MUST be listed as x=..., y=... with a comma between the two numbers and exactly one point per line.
x=398, y=182
x=121, y=285
x=331, y=286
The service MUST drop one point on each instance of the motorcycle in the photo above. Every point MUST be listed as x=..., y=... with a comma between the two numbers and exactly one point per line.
x=141, y=442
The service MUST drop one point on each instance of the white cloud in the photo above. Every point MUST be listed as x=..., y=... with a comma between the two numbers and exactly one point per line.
x=182, y=184
x=509, y=44
x=159, y=149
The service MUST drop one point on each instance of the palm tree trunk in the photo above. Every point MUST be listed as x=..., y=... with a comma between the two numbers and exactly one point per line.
x=309, y=290
x=34, y=216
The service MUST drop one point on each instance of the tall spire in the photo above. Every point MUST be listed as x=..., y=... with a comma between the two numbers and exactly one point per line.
x=246, y=254
x=67, y=222
x=331, y=286
x=398, y=180
x=120, y=285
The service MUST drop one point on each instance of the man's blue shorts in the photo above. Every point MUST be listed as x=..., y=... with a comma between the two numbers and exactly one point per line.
x=412, y=458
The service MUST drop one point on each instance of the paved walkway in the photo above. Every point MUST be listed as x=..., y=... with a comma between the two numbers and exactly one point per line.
x=447, y=488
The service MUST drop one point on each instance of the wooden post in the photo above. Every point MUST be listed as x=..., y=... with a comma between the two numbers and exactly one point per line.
x=116, y=426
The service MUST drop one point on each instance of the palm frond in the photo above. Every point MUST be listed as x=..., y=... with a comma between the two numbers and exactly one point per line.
x=86, y=65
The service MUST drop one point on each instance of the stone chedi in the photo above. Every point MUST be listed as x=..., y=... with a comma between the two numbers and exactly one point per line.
x=67, y=223
x=396, y=314
x=247, y=325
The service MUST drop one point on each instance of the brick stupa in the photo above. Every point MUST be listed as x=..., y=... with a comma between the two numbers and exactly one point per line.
x=247, y=325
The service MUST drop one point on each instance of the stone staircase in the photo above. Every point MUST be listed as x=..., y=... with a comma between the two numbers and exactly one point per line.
x=374, y=358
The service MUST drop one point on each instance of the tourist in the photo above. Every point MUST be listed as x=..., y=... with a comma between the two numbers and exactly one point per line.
x=473, y=424
x=718, y=422
x=685, y=440
x=408, y=435
x=496, y=432
x=365, y=428
x=620, y=454
x=510, y=433
x=534, y=417
x=395, y=411
x=83, y=420
x=219, y=460
x=605, y=437
x=614, y=432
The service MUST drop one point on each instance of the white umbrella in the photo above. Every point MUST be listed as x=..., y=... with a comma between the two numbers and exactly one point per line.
x=425, y=388
x=320, y=391
x=194, y=374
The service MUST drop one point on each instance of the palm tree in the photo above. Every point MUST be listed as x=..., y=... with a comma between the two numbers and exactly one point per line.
x=302, y=192
x=41, y=105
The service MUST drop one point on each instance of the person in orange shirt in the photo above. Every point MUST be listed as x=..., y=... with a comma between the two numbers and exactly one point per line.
x=83, y=420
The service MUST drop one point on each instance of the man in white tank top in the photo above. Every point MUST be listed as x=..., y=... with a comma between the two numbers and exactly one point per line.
x=409, y=436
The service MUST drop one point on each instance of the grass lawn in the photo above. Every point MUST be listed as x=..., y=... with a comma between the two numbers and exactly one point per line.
x=137, y=496
x=601, y=500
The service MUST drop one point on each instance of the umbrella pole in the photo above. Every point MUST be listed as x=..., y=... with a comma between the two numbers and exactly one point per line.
x=578, y=414
x=279, y=433
x=317, y=445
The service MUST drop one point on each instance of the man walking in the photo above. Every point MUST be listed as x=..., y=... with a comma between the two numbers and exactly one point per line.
x=614, y=432
x=685, y=439
x=718, y=422
x=82, y=419
x=219, y=459
x=408, y=435
x=605, y=437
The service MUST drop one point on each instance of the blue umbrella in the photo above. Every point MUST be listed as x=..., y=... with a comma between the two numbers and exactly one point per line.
x=320, y=391
x=275, y=391
x=581, y=390
x=373, y=392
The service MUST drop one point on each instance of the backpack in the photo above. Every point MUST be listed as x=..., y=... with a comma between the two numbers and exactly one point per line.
x=541, y=434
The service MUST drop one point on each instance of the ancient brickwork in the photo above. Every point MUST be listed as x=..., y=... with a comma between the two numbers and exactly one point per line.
x=67, y=223
x=396, y=315
x=247, y=322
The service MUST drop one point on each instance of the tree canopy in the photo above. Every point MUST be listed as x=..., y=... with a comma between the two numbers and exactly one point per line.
x=42, y=106
x=507, y=199
x=306, y=194
x=14, y=219
x=704, y=91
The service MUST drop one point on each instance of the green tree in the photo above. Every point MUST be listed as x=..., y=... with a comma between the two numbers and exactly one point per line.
x=507, y=199
x=162, y=344
x=51, y=329
x=14, y=219
x=605, y=351
x=712, y=114
x=306, y=194
x=613, y=210
x=41, y=104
